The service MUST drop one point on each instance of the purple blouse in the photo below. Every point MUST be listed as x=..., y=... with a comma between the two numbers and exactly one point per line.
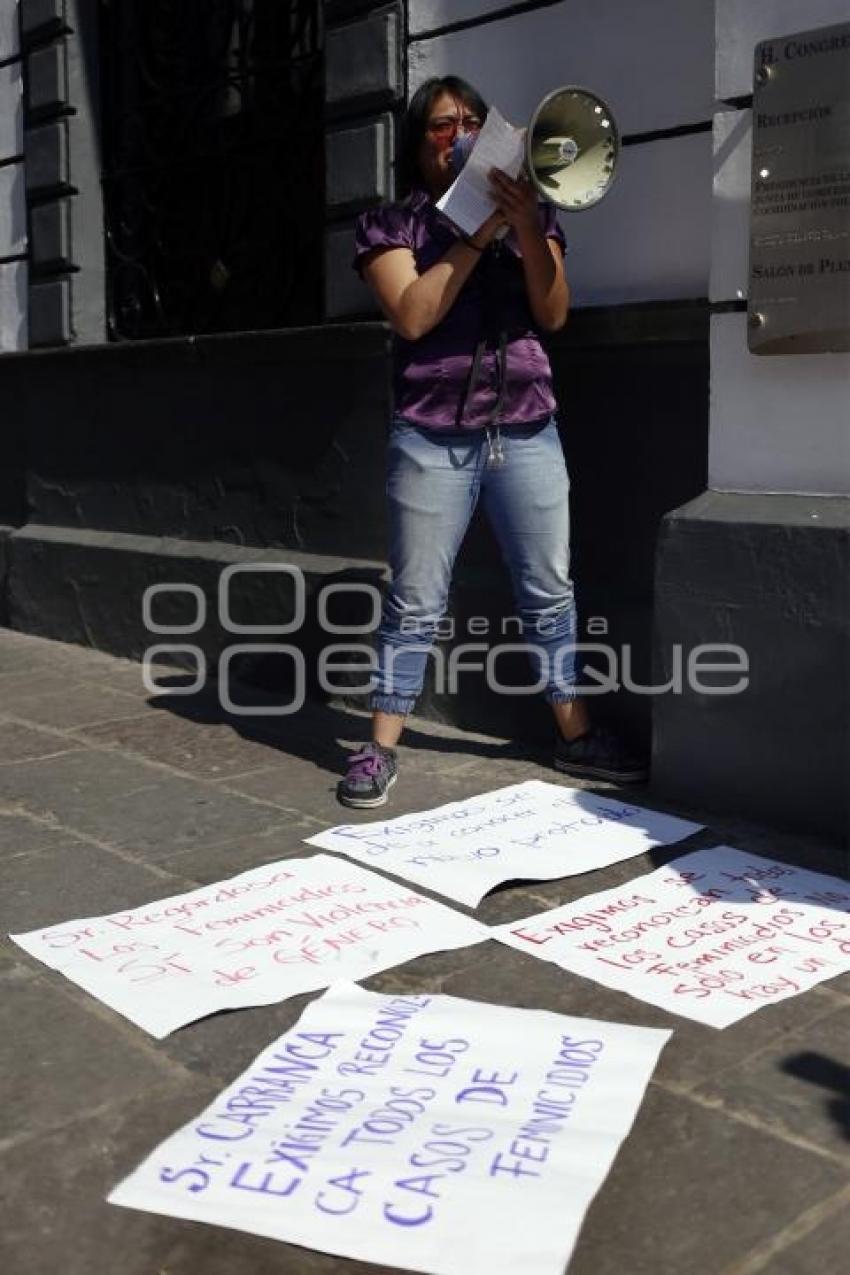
x=432, y=375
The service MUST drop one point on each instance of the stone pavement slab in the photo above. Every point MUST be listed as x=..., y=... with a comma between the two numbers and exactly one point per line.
x=210, y=749
x=24, y=743
x=27, y=655
x=75, y=880
x=56, y=1219
x=11, y=967
x=304, y=784
x=738, y=1162
x=65, y=1057
x=24, y=833
x=691, y=1191
x=54, y=1187
x=794, y=1253
x=805, y=1092
x=223, y=1045
x=76, y=704
x=128, y=803
x=283, y=840
x=26, y=684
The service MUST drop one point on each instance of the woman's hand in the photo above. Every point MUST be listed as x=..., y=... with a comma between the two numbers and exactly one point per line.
x=487, y=232
x=542, y=261
x=516, y=202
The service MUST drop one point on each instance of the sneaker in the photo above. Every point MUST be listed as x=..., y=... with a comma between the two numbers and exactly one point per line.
x=371, y=773
x=598, y=754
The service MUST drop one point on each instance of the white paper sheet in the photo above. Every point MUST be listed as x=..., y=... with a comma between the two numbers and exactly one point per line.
x=273, y=932
x=428, y=1133
x=713, y=936
x=530, y=831
x=468, y=201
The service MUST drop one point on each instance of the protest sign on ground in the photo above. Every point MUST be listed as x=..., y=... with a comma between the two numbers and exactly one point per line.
x=713, y=936
x=530, y=831
x=270, y=933
x=422, y=1132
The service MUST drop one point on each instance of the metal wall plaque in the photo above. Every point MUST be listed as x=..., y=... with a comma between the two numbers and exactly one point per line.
x=799, y=288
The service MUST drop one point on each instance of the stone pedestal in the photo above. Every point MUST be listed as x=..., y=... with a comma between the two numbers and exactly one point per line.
x=770, y=574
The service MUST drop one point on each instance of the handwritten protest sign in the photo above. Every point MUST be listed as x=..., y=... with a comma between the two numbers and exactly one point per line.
x=430, y=1133
x=290, y=927
x=531, y=831
x=713, y=936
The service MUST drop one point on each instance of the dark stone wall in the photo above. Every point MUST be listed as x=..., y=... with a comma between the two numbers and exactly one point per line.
x=267, y=439
x=4, y=574
x=635, y=430
x=160, y=461
x=771, y=574
x=12, y=466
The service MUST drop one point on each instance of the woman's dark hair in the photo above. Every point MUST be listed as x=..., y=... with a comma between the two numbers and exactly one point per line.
x=416, y=120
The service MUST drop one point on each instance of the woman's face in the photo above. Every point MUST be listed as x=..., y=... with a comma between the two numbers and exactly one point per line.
x=447, y=118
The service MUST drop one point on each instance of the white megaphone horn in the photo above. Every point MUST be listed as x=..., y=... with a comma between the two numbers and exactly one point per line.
x=572, y=146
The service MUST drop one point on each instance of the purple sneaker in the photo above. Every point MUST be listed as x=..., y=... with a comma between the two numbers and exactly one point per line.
x=371, y=773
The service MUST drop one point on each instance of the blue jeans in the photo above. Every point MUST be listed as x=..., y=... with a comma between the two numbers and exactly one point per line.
x=434, y=482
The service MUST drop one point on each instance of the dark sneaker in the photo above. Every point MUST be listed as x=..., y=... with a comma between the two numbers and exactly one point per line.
x=370, y=775
x=598, y=754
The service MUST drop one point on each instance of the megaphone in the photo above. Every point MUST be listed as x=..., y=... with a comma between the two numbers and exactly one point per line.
x=572, y=145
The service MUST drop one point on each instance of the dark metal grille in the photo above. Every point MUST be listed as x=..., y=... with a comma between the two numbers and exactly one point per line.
x=213, y=164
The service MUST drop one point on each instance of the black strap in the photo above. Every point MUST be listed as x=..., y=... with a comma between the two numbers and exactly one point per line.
x=502, y=366
x=471, y=380
x=492, y=328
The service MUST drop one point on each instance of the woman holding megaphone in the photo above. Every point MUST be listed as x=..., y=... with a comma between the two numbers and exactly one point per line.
x=474, y=419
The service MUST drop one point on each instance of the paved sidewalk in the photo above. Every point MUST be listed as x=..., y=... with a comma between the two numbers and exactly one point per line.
x=739, y=1161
